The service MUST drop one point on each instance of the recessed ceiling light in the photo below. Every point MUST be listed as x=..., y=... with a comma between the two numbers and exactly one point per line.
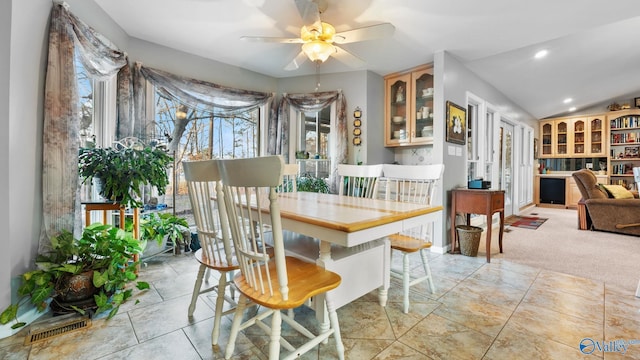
x=567, y=100
x=540, y=54
x=573, y=108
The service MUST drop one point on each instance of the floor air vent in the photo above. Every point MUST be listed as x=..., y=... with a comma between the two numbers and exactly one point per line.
x=56, y=326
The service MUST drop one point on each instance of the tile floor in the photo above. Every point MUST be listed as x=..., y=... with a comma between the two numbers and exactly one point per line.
x=499, y=310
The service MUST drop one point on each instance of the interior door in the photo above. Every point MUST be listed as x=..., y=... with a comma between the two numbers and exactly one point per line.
x=506, y=166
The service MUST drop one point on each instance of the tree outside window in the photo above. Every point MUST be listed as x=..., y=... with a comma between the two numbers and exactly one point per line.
x=208, y=134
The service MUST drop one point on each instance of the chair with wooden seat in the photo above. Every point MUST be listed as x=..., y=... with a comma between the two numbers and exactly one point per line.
x=216, y=252
x=278, y=282
x=289, y=178
x=414, y=184
x=359, y=180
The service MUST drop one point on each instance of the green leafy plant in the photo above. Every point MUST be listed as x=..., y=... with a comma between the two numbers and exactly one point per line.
x=122, y=172
x=104, y=252
x=312, y=184
x=158, y=226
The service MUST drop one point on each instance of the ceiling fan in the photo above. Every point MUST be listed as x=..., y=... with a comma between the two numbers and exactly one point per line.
x=319, y=39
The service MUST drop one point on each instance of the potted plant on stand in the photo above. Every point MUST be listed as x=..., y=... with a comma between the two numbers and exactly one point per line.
x=80, y=275
x=120, y=173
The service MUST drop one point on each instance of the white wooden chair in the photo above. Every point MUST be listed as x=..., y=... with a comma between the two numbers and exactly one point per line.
x=276, y=282
x=216, y=252
x=359, y=180
x=415, y=184
x=289, y=178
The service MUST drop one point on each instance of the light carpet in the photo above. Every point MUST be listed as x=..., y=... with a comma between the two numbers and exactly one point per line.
x=560, y=246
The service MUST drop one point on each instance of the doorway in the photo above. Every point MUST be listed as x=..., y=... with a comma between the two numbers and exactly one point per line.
x=506, y=173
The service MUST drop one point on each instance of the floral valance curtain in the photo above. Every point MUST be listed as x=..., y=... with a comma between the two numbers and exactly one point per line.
x=313, y=102
x=201, y=94
x=102, y=60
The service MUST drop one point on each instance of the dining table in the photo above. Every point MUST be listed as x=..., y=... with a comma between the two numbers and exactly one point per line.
x=346, y=235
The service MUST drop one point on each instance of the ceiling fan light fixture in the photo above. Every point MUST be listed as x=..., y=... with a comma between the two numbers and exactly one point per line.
x=325, y=33
x=318, y=50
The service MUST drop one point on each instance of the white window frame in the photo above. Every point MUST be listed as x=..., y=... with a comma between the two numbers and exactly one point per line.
x=487, y=122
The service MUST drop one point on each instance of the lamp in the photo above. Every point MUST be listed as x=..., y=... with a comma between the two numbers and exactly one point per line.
x=317, y=44
x=318, y=50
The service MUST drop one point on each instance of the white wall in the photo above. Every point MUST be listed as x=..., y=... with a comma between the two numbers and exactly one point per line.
x=181, y=63
x=453, y=80
x=24, y=34
x=5, y=57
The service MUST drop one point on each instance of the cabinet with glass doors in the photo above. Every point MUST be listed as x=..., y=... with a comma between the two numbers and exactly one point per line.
x=409, y=107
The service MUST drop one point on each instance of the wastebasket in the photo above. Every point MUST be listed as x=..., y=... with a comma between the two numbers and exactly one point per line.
x=469, y=239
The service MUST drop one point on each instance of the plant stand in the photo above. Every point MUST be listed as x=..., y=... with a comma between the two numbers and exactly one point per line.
x=113, y=206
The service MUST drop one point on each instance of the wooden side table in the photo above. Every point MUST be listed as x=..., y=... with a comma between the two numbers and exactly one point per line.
x=477, y=201
x=105, y=207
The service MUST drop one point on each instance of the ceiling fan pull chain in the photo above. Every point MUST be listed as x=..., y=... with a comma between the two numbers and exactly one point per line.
x=317, y=75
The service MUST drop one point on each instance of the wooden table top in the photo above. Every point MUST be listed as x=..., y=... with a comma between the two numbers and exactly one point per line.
x=345, y=213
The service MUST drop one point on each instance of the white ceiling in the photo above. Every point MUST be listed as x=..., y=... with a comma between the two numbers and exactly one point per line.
x=594, y=45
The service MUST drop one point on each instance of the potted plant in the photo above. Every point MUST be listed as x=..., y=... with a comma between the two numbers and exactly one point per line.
x=161, y=226
x=122, y=172
x=312, y=184
x=86, y=274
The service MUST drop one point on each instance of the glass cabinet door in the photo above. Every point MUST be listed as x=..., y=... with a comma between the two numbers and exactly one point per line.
x=596, y=128
x=562, y=137
x=547, y=139
x=422, y=129
x=579, y=133
x=398, y=112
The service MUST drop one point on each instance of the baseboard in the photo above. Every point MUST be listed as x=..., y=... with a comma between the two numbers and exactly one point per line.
x=439, y=249
x=27, y=315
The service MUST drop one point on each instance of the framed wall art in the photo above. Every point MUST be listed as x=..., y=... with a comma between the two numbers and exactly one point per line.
x=456, y=124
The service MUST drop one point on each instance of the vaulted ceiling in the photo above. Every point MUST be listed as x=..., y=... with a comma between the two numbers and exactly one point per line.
x=593, y=45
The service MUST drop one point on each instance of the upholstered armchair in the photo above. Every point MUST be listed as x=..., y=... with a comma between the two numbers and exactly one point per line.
x=607, y=214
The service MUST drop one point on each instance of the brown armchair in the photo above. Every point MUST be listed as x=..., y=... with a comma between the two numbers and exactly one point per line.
x=607, y=214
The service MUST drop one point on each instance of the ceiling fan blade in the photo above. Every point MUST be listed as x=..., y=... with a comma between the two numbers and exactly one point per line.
x=272, y=39
x=365, y=33
x=296, y=62
x=309, y=13
x=348, y=58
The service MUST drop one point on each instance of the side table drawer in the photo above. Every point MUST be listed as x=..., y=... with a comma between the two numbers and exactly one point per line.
x=497, y=202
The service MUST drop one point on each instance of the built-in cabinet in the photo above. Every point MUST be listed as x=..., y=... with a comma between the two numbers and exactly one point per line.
x=573, y=137
x=624, y=149
x=409, y=107
x=614, y=135
x=569, y=189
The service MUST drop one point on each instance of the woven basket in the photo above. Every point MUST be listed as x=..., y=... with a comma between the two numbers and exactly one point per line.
x=469, y=239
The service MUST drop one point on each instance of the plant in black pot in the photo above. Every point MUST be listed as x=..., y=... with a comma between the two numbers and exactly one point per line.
x=122, y=172
x=80, y=275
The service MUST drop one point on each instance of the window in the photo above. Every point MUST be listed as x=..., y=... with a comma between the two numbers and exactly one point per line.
x=314, y=137
x=207, y=135
x=97, y=107
x=315, y=128
x=473, y=170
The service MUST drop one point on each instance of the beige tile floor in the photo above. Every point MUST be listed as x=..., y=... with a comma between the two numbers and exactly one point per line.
x=499, y=310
